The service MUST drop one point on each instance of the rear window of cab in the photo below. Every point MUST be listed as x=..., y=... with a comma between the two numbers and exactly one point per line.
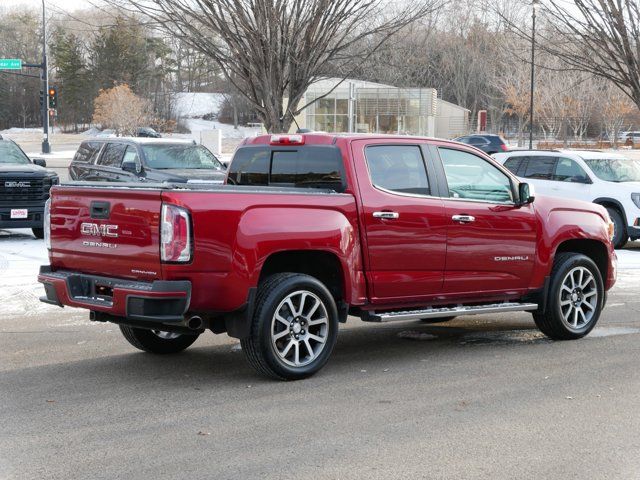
x=309, y=166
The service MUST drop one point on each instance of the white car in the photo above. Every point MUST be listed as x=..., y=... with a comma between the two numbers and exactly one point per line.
x=633, y=136
x=608, y=179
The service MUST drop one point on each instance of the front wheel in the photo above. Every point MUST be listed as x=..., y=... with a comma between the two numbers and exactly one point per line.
x=294, y=327
x=575, y=298
x=157, y=341
x=620, y=235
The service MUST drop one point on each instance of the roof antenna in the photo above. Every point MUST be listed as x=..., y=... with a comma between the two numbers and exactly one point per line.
x=292, y=117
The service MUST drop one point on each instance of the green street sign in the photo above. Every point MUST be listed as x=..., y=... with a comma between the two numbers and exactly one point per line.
x=10, y=64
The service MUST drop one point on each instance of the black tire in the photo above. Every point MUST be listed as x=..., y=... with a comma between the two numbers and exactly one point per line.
x=620, y=236
x=38, y=232
x=437, y=320
x=552, y=322
x=261, y=349
x=148, y=341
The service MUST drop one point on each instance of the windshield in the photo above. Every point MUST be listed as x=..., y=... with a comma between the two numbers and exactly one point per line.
x=11, y=154
x=180, y=156
x=615, y=169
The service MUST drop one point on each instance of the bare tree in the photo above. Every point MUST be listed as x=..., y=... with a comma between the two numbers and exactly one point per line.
x=272, y=50
x=615, y=109
x=601, y=37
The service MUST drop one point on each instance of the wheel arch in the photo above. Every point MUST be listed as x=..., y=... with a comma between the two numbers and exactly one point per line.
x=613, y=203
x=594, y=249
x=321, y=264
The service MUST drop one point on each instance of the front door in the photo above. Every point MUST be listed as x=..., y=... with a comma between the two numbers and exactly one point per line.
x=491, y=242
x=403, y=219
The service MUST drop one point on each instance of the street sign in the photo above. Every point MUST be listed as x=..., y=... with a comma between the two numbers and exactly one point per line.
x=10, y=64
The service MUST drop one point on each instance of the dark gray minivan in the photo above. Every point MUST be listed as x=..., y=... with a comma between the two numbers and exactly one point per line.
x=145, y=160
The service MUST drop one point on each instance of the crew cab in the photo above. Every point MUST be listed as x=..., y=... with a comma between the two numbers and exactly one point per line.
x=24, y=188
x=312, y=228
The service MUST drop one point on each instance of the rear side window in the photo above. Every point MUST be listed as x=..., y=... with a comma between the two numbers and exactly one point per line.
x=112, y=156
x=540, y=168
x=513, y=164
x=306, y=167
x=87, y=152
x=398, y=168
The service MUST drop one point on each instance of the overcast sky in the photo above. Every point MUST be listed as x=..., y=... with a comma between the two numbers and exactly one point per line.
x=68, y=5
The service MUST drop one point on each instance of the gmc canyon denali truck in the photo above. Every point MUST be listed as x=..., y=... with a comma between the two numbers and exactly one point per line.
x=24, y=188
x=312, y=228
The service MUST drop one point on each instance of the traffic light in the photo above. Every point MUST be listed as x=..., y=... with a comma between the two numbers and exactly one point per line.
x=53, y=97
x=41, y=98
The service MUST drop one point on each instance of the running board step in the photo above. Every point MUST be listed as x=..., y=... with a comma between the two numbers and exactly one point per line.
x=449, y=312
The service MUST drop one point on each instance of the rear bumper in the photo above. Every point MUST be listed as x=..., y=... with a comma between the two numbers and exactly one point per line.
x=159, y=301
x=35, y=217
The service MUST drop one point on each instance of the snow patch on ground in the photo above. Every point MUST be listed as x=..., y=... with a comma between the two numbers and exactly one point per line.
x=17, y=130
x=197, y=104
x=197, y=125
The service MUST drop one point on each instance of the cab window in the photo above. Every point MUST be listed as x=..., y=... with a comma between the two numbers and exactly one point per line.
x=470, y=177
x=112, y=155
x=398, y=168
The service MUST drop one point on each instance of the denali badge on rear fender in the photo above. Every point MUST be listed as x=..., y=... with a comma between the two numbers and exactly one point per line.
x=95, y=230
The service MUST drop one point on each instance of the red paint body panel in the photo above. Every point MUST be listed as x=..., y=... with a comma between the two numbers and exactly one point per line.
x=424, y=258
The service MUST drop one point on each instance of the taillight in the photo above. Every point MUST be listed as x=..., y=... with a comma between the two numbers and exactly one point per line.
x=175, y=234
x=47, y=224
x=504, y=147
x=287, y=140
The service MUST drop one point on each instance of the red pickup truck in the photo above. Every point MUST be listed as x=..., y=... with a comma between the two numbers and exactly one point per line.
x=309, y=229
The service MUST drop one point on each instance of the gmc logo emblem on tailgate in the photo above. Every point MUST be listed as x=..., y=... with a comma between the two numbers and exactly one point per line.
x=95, y=230
x=17, y=184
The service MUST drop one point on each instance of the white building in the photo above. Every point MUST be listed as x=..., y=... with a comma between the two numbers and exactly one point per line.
x=366, y=107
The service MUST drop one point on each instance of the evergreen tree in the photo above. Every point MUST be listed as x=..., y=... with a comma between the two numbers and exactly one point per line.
x=75, y=92
x=120, y=56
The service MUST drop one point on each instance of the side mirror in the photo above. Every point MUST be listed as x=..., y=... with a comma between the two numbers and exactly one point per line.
x=132, y=166
x=40, y=162
x=526, y=193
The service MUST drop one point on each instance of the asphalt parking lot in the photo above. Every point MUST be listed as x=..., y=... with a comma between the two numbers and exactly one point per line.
x=483, y=397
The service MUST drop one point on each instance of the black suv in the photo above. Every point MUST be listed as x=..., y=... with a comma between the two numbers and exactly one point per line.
x=487, y=143
x=145, y=160
x=24, y=188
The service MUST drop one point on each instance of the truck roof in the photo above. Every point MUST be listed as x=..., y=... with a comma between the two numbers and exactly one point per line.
x=317, y=138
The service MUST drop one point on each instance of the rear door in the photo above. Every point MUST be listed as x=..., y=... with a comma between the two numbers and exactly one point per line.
x=108, y=167
x=84, y=159
x=491, y=242
x=403, y=218
x=106, y=231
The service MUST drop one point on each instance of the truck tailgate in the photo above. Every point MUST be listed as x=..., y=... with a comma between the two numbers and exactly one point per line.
x=107, y=231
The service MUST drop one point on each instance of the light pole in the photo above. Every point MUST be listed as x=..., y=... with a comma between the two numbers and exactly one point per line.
x=46, y=148
x=533, y=67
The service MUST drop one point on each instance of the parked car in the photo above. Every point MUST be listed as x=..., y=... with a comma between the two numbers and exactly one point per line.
x=312, y=228
x=487, y=143
x=629, y=137
x=24, y=188
x=147, y=132
x=608, y=179
x=145, y=160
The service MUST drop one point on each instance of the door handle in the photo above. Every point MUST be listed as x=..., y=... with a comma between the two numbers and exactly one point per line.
x=386, y=215
x=463, y=218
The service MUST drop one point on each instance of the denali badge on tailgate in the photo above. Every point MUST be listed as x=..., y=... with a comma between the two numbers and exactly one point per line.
x=95, y=230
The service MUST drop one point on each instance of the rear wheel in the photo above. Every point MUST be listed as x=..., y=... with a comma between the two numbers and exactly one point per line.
x=294, y=327
x=38, y=232
x=620, y=236
x=575, y=299
x=157, y=341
